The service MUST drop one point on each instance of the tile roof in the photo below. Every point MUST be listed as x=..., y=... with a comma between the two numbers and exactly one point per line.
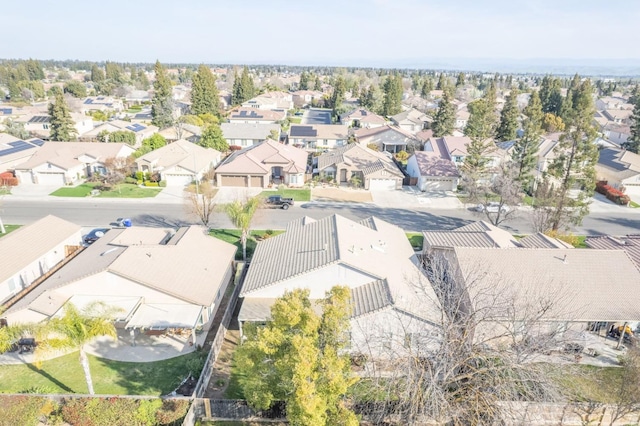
x=65, y=154
x=260, y=157
x=185, y=154
x=319, y=131
x=255, y=114
x=630, y=244
x=540, y=240
x=359, y=157
x=431, y=164
x=364, y=116
x=387, y=134
x=256, y=131
x=30, y=243
x=586, y=285
x=623, y=163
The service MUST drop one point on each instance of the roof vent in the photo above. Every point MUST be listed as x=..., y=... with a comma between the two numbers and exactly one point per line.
x=564, y=260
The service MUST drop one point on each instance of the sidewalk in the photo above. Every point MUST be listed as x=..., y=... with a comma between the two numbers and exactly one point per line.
x=168, y=195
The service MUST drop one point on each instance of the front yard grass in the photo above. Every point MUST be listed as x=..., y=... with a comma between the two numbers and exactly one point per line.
x=65, y=375
x=634, y=204
x=8, y=229
x=296, y=194
x=233, y=236
x=123, y=190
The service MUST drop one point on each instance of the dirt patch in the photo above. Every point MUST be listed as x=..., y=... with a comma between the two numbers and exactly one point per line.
x=346, y=195
x=222, y=367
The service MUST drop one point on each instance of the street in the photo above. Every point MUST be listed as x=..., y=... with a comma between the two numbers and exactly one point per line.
x=101, y=212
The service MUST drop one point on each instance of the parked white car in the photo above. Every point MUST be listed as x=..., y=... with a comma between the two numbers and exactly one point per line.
x=492, y=207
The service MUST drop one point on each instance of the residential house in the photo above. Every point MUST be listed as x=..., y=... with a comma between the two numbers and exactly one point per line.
x=303, y=98
x=177, y=132
x=394, y=306
x=618, y=116
x=411, y=121
x=159, y=279
x=14, y=151
x=630, y=244
x=248, y=134
x=486, y=235
x=387, y=138
x=271, y=101
x=68, y=163
x=254, y=116
x=462, y=118
x=361, y=118
x=318, y=137
x=263, y=164
x=433, y=168
x=31, y=251
x=619, y=167
x=39, y=125
x=179, y=163
x=617, y=133
x=375, y=170
x=455, y=147
x=563, y=290
x=141, y=131
x=612, y=102
x=101, y=103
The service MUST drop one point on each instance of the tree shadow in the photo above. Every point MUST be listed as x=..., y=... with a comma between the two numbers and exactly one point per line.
x=159, y=221
x=49, y=377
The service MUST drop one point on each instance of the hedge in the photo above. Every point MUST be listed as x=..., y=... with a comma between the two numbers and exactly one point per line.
x=612, y=194
x=7, y=179
x=111, y=411
x=149, y=183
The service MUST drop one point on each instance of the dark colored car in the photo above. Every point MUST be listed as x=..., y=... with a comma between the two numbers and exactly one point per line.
x=94, y=235
x=276, y=201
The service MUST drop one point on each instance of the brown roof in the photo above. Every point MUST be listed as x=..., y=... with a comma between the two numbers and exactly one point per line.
x=65, y=154
x=630, y=244
x=359, y=157
x=431, y=164
x=254, y=114
x=261, y=157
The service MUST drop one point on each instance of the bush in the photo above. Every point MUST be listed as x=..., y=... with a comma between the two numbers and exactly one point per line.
x=131, y=180
x=7, y=179
x=149, y=183
x=612, y=194
x=162, y=184
x=139, y=176
x=235, y=148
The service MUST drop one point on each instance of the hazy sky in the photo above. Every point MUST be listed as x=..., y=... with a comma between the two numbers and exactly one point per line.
x=344, y=32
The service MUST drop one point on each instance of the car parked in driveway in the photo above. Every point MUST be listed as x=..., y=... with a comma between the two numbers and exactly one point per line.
x=492, y=207
x=94, y=235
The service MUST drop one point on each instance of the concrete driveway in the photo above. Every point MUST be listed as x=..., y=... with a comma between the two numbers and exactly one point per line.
x=228, y=195
x=410, y=197
x=344, y=195
x=600, y=204
x=33, y=191
x=316, y=116
x=634, y=193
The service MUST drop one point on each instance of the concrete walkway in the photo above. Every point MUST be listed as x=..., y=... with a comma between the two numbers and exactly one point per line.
x=168, y=195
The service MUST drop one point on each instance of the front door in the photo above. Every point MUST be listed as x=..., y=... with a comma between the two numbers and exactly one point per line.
x=343, y=175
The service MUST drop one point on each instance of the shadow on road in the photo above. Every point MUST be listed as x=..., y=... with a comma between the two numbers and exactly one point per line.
x=159, y=221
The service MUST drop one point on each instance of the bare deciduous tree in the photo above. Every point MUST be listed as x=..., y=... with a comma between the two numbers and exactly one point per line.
x=498, y=197
x=200, y=201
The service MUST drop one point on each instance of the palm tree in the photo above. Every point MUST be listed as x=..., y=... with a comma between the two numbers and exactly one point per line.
x=75, y=329
x=241, y=215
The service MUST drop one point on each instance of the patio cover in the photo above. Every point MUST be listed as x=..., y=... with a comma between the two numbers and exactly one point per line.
x=123, y=306
x=158, y=315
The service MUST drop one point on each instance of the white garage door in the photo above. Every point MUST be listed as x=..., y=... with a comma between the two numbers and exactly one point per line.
x=382, y=184
x=51, y=178
x=178, y=180
x=437, y=185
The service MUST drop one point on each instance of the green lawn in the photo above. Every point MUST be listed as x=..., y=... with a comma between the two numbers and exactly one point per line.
x=586, y=382
x=5, y=191
x=295, y=120
x=415, y=238
x=634, y=204
x=296, y=194
x=233, y=236
x=123, y=190
x=65, y=375
x=9, y=228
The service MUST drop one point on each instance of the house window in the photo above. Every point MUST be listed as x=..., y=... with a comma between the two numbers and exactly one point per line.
x=293, y=178
x=45, y=126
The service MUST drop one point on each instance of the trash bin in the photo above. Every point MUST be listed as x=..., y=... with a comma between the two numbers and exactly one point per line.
x=126, y=223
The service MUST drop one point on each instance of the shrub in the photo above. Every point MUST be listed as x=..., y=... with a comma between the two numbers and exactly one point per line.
x=162, y=183
x=21, y=410
x=149, y=183
x=7, y=179
x=131, y=180
x=612, y=194
x=234, y=148
x=139, y=176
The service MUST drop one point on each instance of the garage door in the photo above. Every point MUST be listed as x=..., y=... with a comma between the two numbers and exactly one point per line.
x=256, y=181
x=228, y=180
x=382, y=184
x=437, y=185
x=51, y=178
x=177, y=180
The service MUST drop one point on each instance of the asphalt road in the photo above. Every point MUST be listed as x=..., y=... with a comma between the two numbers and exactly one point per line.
x=316, y=116
x=90, y=213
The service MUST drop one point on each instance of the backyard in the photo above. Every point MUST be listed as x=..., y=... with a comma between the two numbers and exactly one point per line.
x=123, y=190
x=65, y=375
x=233, y=236
x=296, y=194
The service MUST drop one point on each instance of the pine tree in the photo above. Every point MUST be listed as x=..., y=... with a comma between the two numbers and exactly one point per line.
x=445, y=117
x=460, y=80
x=97, y=75
x=248, y=87
x=162, y=102
x=442, y=83
x=575, y=161
x=317, y=85
x=523, y=154
x=392, y=102
x=507, y=130
x=204, y=93
x=550, y=95
x=237, y=97
x=337, y=97
x=482, y=119
x=143, y=81
x=633, y=144
x=304, y=81
x=61, y=124
x=427, y=87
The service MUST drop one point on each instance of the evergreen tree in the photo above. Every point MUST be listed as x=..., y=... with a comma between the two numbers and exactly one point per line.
x=337, y=97
x=304, y=81
x=143, y=81
x=507, y=130
x=237, y=96
x=317, y=85
x=523, y=154
x=460, y=80
x=482, y=119
x=204, y=93
x=61, y=124
x=212, y=137
x=34, y=69
x=427, y=87
x=550, y=95
x=633, y=144
x=574, y=164
x=442, y=82
x=445, y=117
x=368, y=97
x=162, y=102
x=113, y=72
x=248, y=87
x=392, y=102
